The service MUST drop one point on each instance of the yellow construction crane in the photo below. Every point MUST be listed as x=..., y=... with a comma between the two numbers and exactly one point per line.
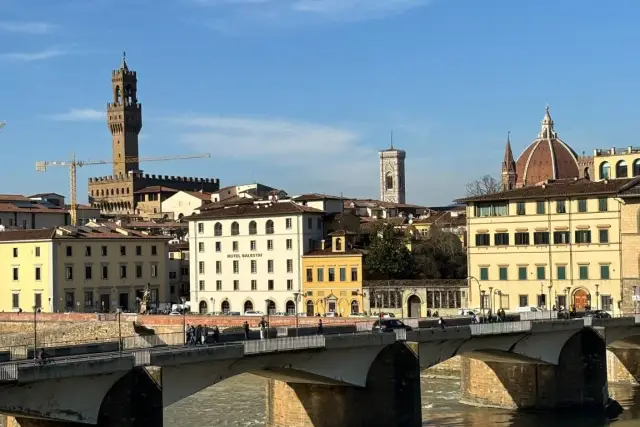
x=74, y=164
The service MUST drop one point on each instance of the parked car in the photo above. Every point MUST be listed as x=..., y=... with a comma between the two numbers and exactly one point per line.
x=598, y=314
x=389, y=325
x=357, y=315
x=175, y=313
x=250, y=313
x=330, y=314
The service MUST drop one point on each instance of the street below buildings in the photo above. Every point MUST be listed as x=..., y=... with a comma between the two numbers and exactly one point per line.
x=241, y=402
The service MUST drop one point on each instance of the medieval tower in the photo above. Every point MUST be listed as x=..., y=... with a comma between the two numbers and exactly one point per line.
x=124, y=116
x=509, y=176
x=129, y=191
x=392, y=177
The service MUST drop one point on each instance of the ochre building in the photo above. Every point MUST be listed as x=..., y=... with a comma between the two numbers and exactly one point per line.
x=122, y=192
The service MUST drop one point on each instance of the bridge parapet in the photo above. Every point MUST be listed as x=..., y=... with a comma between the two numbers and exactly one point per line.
x=611, y=322
x=284, y=344
x=454, y=333
x=557, y=325
x=501, y=328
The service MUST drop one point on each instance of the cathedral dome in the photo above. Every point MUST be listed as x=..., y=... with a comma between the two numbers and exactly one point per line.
x=548, y=157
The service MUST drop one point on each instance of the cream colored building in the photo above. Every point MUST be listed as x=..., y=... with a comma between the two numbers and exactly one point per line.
x=184, y=203
x=247, y=256
x=615, y=163
x=85, y=269
x=556, y=243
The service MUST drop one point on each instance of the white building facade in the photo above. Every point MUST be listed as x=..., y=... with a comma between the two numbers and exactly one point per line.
x=184, y=203
x=248, y=257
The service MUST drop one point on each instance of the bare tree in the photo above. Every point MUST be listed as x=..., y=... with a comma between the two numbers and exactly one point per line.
x=485, y=185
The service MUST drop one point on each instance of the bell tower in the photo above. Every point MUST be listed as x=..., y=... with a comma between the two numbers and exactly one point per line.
x=392, y=177
x=124, y=116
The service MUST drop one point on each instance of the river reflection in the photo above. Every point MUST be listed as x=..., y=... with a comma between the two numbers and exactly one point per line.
x=240, y=402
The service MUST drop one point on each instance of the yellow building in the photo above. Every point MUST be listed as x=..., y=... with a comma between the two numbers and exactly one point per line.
x=332, y=277
x=615, y=163
x=85, y=269
x=556, y=243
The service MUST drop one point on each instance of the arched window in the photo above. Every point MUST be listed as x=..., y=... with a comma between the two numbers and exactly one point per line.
x=310, y=311
x=117, y=191
x=271, y=307
x=605, y=170
x=253, y=227
x=586, y=173
x=217, y=229
x=388, y=182
x=355, y=307
x=621, y=169
x=338, y=244
x=268, y=227
x=128, y=93
x=203, y=307
x=290, y=308
x=118, y=95
x=235, y=228
x=225, y=307
x=636, y=167
x=248, y=306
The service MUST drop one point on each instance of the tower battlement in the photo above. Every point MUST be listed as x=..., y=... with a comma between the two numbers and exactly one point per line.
x=137, y=106
x=139, y=176
x=118, y=74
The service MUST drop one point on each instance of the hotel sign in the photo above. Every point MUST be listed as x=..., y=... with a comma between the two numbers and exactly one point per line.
x=250, y=255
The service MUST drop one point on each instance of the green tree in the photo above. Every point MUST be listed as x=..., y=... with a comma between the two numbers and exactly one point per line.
x=439, y=255
x=387, y=255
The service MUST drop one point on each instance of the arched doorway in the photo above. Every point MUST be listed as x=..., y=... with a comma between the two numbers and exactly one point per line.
x=271, y=307
x=290, y=308
x=580, y=299
x=414, y=305
x=355, y=307
x=225, y=307
x=203, y=307
x=310, y=311
x=248, y=306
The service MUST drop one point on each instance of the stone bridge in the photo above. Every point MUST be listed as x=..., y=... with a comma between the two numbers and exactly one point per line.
x=361, y=379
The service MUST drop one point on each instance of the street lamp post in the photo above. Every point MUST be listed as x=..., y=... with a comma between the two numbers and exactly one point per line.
x=35, y=332
x=268, y=317
x=491, y=300
x=184, y=320
x=550, y=308
x=597, y=297
x=399, y=291
x=635, y=297
x=296, y=295
x=379, y=298
x=119, y=329
x=482, y=292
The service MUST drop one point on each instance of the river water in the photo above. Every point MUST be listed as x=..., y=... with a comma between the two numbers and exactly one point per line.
x=240, y=402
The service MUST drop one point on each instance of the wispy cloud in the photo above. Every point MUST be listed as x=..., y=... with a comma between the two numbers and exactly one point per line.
x=79, y=115
x=290, y=146
x=33, y=56
x=26, y=27
x=233, y=16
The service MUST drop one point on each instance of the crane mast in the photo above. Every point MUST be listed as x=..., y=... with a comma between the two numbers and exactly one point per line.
x=73, y=164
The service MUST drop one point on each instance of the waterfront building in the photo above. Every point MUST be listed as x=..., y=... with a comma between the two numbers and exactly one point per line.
x=85, y=269
x=247, y=256
x=556, y=243
x=332, y=277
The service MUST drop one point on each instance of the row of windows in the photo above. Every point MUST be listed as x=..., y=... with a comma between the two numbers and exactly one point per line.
x=502, y=208
x=622, y=170
x=541, y=238
x=269, y=227
x=253, y=245
x=70, y=299
x=253, y=266
x=541, y=272
x=88, y=272
x=331, y=274
x=253, y=285
x=88, y=251
x=116, y=191
x=446, y=298
x=605, y=303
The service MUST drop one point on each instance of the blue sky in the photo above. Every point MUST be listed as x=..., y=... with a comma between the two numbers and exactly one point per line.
x=301, y=94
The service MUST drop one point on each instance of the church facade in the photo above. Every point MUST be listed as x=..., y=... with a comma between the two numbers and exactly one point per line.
x=123, y=191
x=546, y=158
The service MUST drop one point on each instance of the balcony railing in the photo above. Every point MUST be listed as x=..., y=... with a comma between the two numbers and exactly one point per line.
x=284, y=344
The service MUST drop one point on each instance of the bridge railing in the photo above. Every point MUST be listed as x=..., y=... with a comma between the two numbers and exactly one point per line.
x=156, y=340
x=401, y=334
x=500, y=327
x=142, y=357
x=9, y=372
x=284, y=344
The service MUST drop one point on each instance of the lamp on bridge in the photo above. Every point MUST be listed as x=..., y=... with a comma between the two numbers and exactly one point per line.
x=184, y=319
x=482, y=292
x=597, y=297
x=635, y=299
x=379, y=297
x=550, y=308
x=35, y=332
x=499, y=293
x=213, y=302
x=490, y=298
x=266, y=302
x=296, y=296
x=119, y=312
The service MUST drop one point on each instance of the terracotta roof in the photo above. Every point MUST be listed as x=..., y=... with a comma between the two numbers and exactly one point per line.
x=83, y=207
x=199, y=195
x=13, y=198
x=34, y=196
x=31, y=208
x=328, y=251
x=315, y=196
x=255, y=210
x=40, y=234
x=560, y=188
x=151, y=224
x=443, y=219
x=372, y=203
x=157, y=189
x=235, y=200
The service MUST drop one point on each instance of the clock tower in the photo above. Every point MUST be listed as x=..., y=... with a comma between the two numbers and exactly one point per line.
x=392, y=177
